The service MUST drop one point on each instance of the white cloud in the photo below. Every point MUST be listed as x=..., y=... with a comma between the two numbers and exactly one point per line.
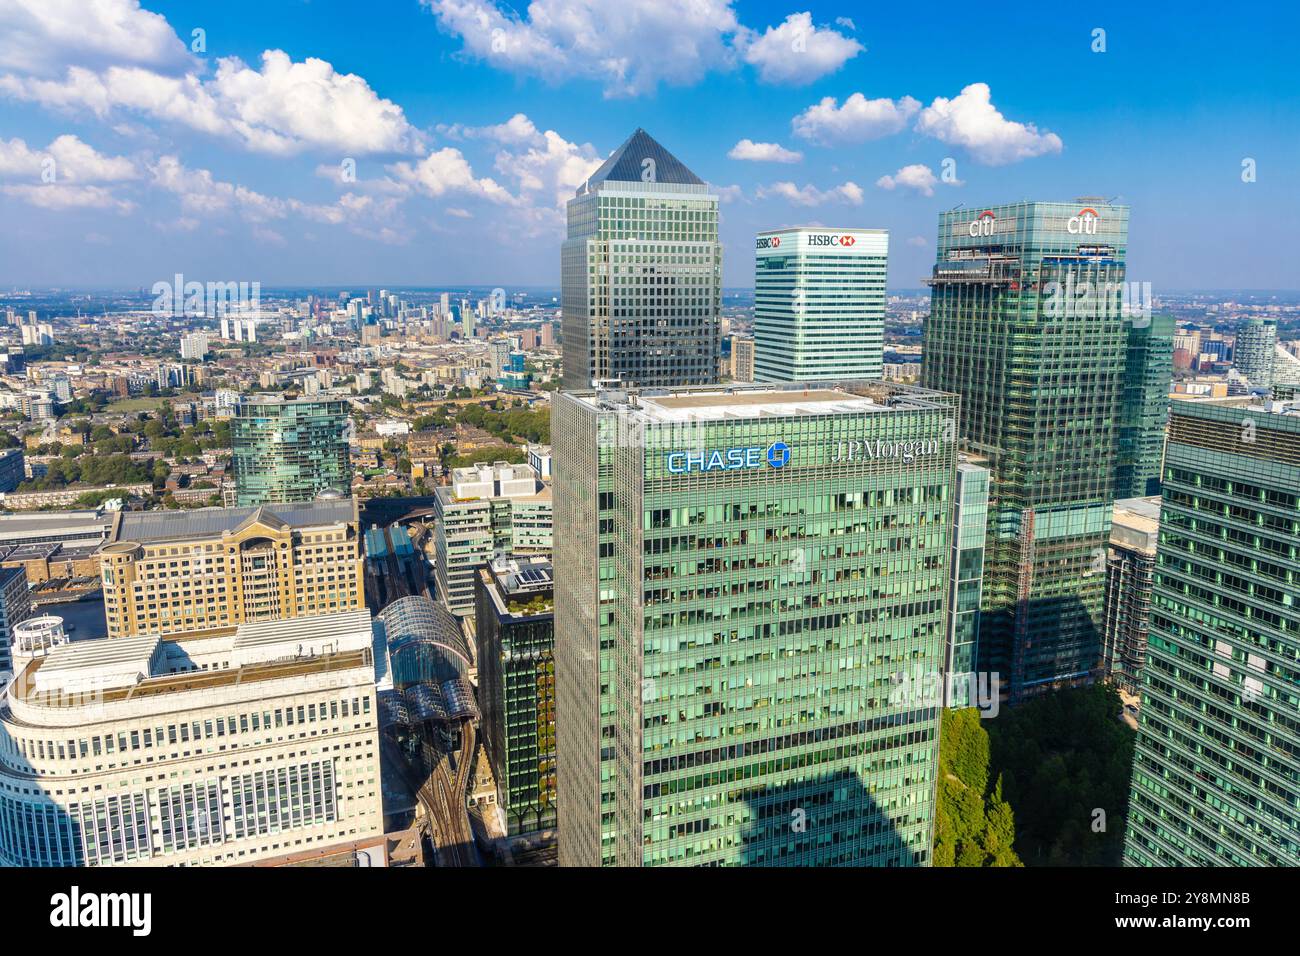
x=972, y=121
x=846, y=22
x=59, y=196
x=67, y=159
x=286, y=106
x=857, y=121
x=516, y=131
x=556, y=168
x=729, y=194
x=203, y=195
x=630, y=46
x=747, y=149
x=282, y=108
x=916, y=176
x=42, y=37
x=849, y=192
x=444, y=172
x=796, y=53
x=920, y=242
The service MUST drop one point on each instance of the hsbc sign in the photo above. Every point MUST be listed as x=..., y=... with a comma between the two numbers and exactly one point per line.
x=826, y=240
x=797, y=240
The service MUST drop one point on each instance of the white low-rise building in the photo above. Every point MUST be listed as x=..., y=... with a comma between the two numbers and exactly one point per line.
x=234, y=746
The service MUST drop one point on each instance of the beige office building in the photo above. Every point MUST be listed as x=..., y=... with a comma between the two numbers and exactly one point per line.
x=256, y=744
x=170, y=572
x=487, y=509
x=742, y=358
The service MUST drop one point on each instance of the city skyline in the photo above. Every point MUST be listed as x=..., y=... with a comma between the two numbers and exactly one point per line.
x=465, y=143
x=679, y=433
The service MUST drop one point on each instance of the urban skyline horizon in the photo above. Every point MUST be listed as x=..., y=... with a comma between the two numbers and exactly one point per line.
x=170, y=137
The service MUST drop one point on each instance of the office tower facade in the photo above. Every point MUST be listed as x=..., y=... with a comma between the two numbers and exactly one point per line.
x=286, y=450
x=641, y=273
x=966, y=584
x=15, y=607
x=1130, y=576
x=1144, y=407
x=1218, y=745
x=487, y=509
x=1255, y=352
x=744, y=579
x=255, y=745
x=1026, y=325
x=819, y=304
x=168, y=572
x=13, y=470
x=742, y=358
x=515, y=624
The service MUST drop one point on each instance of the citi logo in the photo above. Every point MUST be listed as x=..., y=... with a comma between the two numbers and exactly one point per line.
x=831, y=240
x=768, y=242
x=76, y=909
x=1083, y=224
x=983, y=224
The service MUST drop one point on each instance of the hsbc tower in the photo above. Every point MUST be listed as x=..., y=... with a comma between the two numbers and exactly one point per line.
x=819, y=304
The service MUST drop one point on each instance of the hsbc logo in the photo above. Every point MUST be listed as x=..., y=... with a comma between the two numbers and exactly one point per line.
x=983, y=224
x=768, y=242
x=844, y=241
x=1083, y=224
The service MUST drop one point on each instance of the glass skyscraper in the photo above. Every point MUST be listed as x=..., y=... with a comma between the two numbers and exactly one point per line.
x=289, y=450
x=1217, y=762
x=819, y=304
x=969, y=524
x=1144, y=408
x=1026, y=325
x=745, y=580
x=514, y=630
x=641, y=273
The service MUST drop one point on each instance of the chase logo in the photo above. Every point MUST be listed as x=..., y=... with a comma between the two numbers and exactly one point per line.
x=777, y=455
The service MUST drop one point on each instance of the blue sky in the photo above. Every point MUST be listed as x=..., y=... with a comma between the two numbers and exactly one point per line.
x=402, y=142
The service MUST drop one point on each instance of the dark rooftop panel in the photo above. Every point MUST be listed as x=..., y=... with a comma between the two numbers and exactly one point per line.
x=625, y=164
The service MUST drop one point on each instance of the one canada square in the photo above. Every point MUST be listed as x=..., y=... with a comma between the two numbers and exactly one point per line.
x=642, y=273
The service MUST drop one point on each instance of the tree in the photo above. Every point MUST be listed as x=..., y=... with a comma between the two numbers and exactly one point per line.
x=972, y=827
x=1061, y=758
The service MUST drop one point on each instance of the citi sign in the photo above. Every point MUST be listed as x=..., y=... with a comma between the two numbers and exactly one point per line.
x=824, y=240
x=1083, y=224
x=983, y=224
x=775, y=455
